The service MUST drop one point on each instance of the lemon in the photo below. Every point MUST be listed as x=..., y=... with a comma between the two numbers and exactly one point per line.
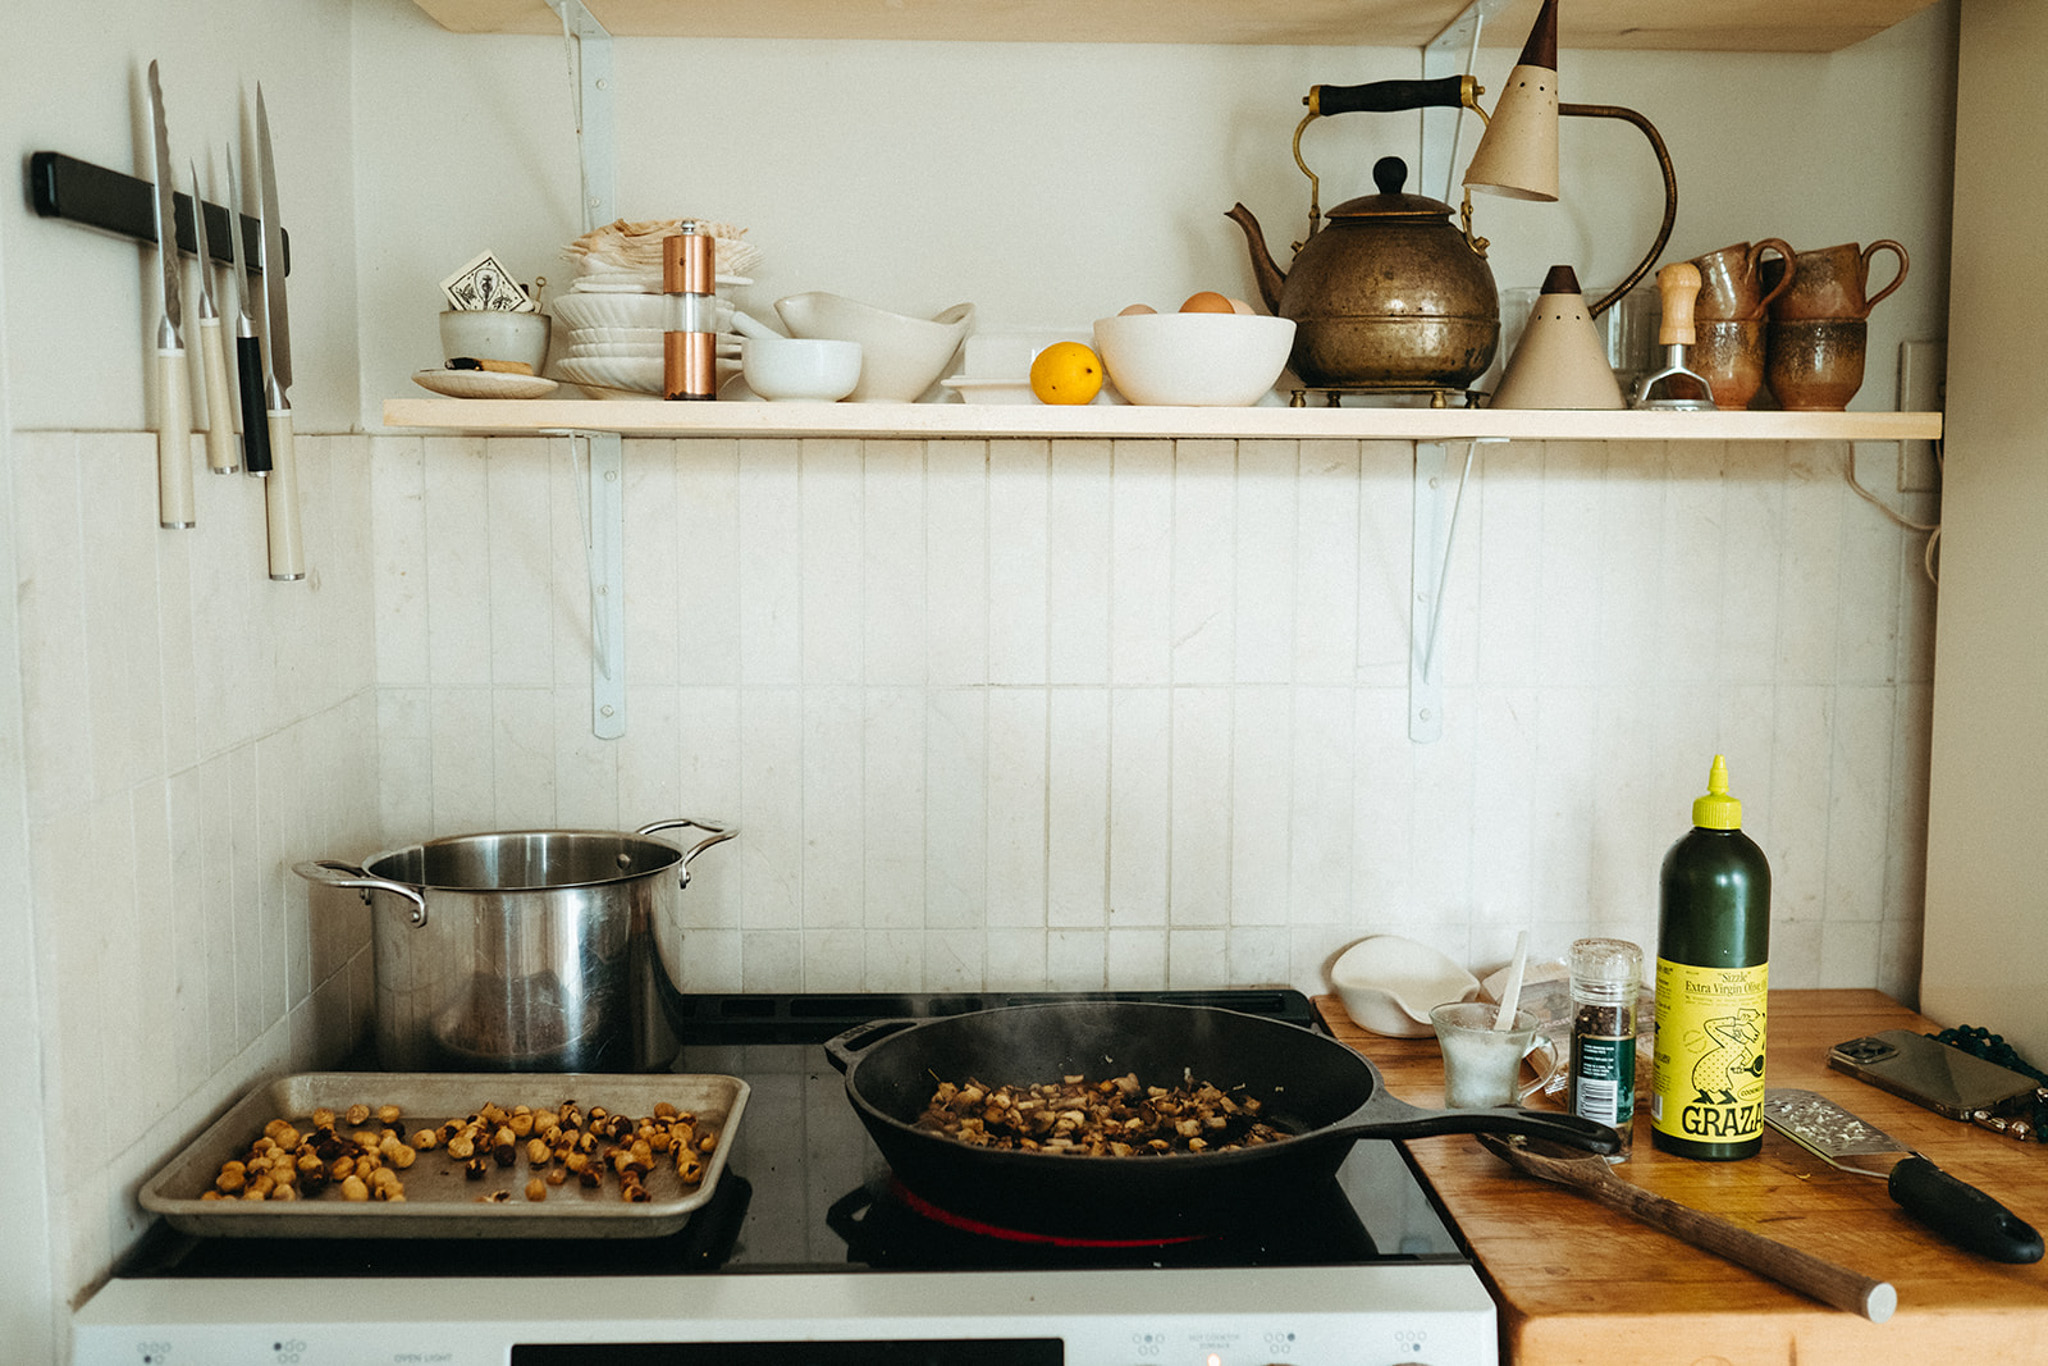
x=1066, y=372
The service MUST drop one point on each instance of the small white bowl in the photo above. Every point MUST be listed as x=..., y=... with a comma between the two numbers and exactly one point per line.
x=901, y=356
x=991, y=390
x=1389, y=984
x=1204, y=360
x=785, y=368
x=495, y=334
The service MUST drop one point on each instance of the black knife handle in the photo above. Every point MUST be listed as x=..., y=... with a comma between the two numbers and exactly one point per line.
x=1387, y=97
x=255, y=432
x=1961, y=1213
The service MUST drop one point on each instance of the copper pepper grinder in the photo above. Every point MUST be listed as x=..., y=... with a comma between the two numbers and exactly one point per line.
x=1678, y=284
x=689, y=344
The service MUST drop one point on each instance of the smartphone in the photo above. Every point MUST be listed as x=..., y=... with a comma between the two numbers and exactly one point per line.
x=1928, y=1072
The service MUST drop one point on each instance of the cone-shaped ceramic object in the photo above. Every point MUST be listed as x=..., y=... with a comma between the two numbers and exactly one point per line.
x=1559, y=363
x=1517, y=156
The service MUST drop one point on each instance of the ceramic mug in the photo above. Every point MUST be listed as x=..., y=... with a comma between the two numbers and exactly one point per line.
x=1833, y=282
x=1729, y=354
x=1731, y=282
x=1815, y=364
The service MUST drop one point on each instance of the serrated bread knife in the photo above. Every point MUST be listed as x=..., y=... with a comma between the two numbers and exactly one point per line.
x=175, y=507
x=1954, y=1209
x=281, y=488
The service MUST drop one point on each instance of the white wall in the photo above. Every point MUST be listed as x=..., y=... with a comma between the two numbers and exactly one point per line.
x=175, y=729
x=1985, y=951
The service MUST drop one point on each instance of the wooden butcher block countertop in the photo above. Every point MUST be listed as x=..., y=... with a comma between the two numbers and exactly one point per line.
x=1582, y=1285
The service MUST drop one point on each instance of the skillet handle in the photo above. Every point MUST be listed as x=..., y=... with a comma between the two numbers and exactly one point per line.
x=1385, y=1116
x=845, y=1049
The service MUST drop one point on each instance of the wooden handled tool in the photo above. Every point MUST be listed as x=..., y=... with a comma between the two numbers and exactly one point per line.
x=1833, y=1285
x=1678, y=286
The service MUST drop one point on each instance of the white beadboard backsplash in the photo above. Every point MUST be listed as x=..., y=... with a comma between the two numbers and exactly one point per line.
x=1085, y=714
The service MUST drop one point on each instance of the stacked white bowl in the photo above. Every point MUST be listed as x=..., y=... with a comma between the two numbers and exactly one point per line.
x=612, y=343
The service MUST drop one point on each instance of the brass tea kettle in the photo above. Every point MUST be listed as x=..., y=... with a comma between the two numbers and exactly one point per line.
x=1391, y=295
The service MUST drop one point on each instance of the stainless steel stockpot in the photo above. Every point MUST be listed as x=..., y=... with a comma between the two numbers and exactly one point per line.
x=524, y=950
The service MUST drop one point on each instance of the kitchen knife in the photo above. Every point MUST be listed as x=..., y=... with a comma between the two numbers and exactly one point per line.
x=281, y=488
x=248, y=346
x=1954, y=1209
x=174, y=395
x=213, y=362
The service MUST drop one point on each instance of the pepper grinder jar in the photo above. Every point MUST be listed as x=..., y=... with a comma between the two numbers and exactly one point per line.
x=1605, y=977
x=689, y=352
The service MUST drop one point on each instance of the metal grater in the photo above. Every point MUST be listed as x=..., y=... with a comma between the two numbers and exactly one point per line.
x=1826, y=1130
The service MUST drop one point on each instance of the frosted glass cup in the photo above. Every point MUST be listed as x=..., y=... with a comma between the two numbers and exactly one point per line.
x=1482, y=1064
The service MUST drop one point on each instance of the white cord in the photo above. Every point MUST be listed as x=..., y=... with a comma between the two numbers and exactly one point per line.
x=1933, y=529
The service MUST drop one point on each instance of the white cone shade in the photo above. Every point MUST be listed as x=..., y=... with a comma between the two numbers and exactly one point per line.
x=1559, y=362
x=1517, y=156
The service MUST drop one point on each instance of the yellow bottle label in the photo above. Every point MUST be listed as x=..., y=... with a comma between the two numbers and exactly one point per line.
x=1708, y=1081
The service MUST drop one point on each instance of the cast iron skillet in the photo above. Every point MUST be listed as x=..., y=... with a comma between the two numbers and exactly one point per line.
x=1310, y=1085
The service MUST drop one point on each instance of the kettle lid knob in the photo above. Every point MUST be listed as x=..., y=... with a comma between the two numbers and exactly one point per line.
x=1390, y=174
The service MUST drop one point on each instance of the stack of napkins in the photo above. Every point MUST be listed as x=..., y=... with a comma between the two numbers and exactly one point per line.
x=626, y=256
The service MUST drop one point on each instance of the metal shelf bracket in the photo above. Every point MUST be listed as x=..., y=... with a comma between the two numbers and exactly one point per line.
x=600, y=457
x=590, y=61
x=1451, y=52
x=1435, y=533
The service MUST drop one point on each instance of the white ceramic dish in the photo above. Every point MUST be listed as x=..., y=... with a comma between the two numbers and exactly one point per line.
x=991, y=390
x=1388, y=984
x=483, y=384
x=632, y=307
x=632, y=374
x=1203, y=360
x=901, y=356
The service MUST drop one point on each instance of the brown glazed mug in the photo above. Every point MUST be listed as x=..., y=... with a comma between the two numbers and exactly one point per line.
x=1833, y=282
x=1815, y=364
x=1731, y=282
x=1729, y=354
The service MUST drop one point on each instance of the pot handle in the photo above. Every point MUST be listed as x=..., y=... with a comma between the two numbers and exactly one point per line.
x=335, y=873
x=719, y=834
x=1384, y=1116
x=844, y=1049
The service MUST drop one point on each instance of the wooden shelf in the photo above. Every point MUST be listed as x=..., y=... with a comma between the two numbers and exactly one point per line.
x=960, y=421
x=1701, y=25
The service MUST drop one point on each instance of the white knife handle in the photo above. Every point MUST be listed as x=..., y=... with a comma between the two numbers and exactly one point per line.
x=175, y=508
x=221, y=456
x=281, y=501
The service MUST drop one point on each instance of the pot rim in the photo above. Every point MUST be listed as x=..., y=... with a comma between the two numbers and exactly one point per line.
x=370, y=864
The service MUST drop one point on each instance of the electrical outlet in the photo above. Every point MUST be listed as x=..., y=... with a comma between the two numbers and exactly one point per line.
x=1923, y=388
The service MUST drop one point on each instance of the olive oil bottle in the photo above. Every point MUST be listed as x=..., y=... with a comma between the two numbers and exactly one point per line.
x=1713, y=964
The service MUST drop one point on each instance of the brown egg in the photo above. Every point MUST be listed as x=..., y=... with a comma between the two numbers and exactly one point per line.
x=1207, y=301
x=1135, y=308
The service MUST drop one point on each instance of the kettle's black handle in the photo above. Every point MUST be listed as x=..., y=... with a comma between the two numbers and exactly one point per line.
x=1961, y=1213
x=1387, y=97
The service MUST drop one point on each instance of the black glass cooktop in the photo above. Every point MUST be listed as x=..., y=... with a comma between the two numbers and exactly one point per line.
x=805, y=1190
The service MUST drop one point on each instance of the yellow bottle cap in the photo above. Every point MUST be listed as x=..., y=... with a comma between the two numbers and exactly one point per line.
x=1717, y=810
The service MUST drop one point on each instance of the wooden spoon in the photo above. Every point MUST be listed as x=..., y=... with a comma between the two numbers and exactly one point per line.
x=1833, y=1285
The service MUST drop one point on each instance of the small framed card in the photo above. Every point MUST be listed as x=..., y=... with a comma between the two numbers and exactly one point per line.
x=485, y=283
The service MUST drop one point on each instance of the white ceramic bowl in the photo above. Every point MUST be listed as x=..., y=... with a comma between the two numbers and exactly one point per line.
x=901, y=356
x=784, y=368
x=1208, y=360
x=494, y=334
x=1388, y=984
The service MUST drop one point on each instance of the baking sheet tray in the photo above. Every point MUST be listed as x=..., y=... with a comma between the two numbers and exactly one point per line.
x=440, y=1201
